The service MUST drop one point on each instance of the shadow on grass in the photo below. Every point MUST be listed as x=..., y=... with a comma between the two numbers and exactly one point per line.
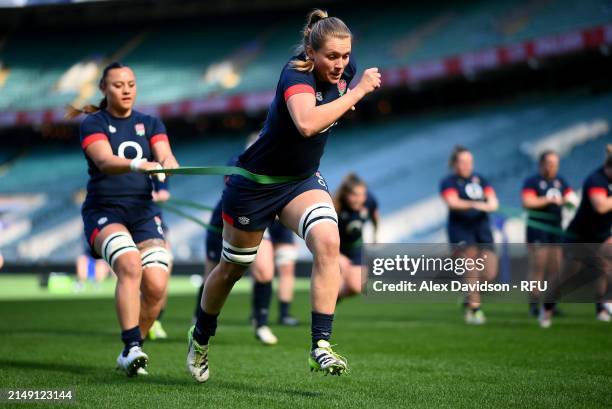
x=90, y=374
x=59, y=332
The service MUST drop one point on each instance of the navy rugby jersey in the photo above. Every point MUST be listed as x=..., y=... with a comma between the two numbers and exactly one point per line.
x=350, y=222
x=474, y=188
x=587, y=223
x=281, y=150
x=130, y=138
x=539, y=186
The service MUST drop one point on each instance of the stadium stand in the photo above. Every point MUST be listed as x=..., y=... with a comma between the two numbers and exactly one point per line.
x=179, y=62
x=414, y=151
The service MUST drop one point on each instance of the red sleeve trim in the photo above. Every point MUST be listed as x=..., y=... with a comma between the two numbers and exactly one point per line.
x=567, y=191
x=93, y=236
x=298, y=89
x=529, y=192
x=597, y=191
x=88, y=140
x=158, y=138
x=228, y=219
x=489, y=191
x=450, y=191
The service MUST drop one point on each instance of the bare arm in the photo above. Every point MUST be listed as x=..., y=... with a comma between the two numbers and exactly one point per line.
x=601, y=203
x=163, y=154
x=310, y=119
x=534, y=202
x=454, y=202
x=101, y=153
x=375, y=223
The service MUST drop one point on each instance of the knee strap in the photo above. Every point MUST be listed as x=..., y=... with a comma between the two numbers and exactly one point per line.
x=285, y=255
x=156, y=257
x=115, y=245
x=236, y=255
x=315, y=214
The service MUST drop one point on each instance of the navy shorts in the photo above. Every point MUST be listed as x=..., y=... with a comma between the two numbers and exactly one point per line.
x=252, y=206
x=537, y=236
x=279, y=234
x=214, y=244
x=353, y=254
x=478, y=233
x=141, y=218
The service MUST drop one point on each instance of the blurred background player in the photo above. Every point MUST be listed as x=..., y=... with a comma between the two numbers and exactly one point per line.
x=161, y=194
x=470, y=199
x=590, y=239
x=545, y=192
x=355, y=205
x=276, y=250
x=90, y=268
x=122, y=223
x=285, y=256
x=291, y=144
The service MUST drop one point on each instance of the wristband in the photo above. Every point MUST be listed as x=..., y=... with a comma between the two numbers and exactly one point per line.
x=135, y=164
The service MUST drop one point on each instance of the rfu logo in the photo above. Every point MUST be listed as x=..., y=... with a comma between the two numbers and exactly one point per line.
x=112, y=129
x=244, y=220
x=319, y=96
x=474, y=191
x=102, y=220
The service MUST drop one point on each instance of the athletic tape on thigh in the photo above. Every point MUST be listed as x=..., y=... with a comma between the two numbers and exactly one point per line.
x=115, y=245
x=285, y=255
x=236, y=255
x=315, y=214
x=156, y=257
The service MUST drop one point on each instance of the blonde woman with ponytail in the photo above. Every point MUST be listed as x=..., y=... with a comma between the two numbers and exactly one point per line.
x=591, y=238
x=122, y=224
x=311, y=96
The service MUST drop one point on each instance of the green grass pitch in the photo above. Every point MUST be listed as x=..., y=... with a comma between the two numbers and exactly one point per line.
x=401, y=355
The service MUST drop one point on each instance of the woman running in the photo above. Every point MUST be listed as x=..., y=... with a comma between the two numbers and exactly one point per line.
x=122, y=224
x=590, y=240
x=355, y=205
x=470, y=199
x=311, y=96
x=262, y=271
x=546, y=192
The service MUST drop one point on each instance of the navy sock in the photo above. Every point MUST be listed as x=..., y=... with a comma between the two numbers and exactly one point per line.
x=198, y=300
x=205, y=327
x=321, y=327
x=262, y=295
x=283, y=307
x=549, y=306
x=130, y=338
x=599, y=307
x=161, y=313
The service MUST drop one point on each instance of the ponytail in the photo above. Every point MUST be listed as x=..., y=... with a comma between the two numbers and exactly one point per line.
x=72, y=112
x=319, y=26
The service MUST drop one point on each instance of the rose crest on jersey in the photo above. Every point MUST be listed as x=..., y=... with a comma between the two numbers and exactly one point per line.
x=140, y=129
x=341, y=87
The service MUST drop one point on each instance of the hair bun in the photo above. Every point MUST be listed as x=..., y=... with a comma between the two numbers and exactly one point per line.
x=315, y=16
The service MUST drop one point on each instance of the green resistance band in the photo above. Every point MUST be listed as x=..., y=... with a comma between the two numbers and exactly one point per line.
x=189, y=203
x=510, y=211
x=178, y=212
x=229, y=170
x=550, y=229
